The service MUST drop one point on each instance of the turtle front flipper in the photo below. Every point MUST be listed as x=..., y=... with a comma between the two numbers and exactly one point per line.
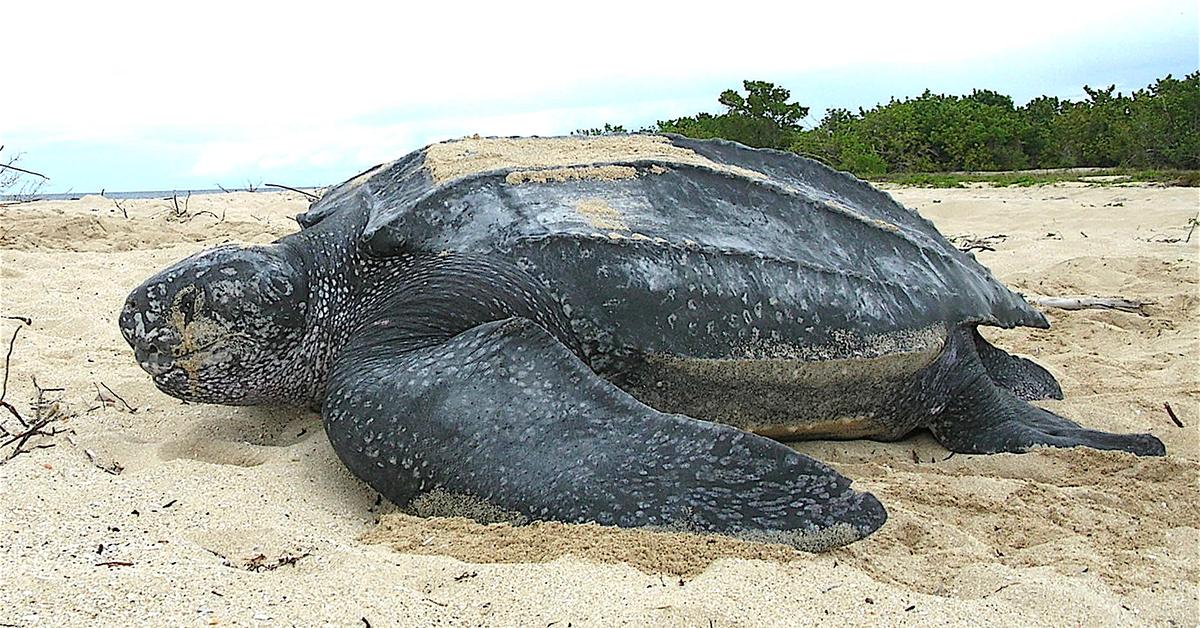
x=979, y=416
x=505, y=413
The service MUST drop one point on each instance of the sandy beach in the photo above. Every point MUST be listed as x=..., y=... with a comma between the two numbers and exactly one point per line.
x=146, y=511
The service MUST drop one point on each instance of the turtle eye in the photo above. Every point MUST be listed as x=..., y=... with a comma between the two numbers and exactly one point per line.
x=187, y=306
x=279, y=287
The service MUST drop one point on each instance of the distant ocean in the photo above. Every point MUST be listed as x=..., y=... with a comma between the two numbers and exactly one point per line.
x=70, y=196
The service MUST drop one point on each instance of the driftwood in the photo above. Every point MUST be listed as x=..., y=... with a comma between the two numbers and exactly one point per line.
x=1092, y=303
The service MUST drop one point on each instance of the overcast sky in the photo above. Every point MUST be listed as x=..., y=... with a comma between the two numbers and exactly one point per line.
x=159, y=95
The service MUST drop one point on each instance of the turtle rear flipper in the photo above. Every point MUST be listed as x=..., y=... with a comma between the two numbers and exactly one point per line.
x=505, y=413
x=979, y=416
x=1020, y=376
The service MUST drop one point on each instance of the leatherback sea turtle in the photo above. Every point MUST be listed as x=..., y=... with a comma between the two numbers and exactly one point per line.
x=611, y=329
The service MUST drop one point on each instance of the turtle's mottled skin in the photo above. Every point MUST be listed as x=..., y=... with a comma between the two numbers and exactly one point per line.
x=545, y=338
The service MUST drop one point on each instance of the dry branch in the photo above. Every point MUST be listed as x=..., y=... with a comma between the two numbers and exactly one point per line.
x=46, y=411
x=309, y=195
x=1093, y=303
x=1171, y=413
x=11, y=183
x=112, y=397
x=181, y=213
x=220, y=218
x=7, y=357
x=36, y=174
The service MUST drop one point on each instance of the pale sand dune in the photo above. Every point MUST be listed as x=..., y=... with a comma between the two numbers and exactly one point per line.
x=1074, y=537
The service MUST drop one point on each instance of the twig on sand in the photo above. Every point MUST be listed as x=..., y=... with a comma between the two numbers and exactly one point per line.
x=182, y=213
x=309, y=195
x=260, y=562
x=1002, y=587
x=220, y=218
x=8, y=356
x=968, y=243
x=45, y=411
x=1093, y=303
x=37, y=428
x=4, y=386
x=112, y=468
x=1171, y=413
x=115, y=397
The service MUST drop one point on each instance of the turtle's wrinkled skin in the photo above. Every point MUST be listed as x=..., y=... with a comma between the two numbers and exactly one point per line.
x=610, y=329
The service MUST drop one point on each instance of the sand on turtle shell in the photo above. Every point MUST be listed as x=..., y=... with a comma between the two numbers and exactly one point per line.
x=459, y=158
x=571, y=173
x=228, y=515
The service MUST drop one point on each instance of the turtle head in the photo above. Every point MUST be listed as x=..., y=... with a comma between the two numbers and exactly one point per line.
x=222, y=326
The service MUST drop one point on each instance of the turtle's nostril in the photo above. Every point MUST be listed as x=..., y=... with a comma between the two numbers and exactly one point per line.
x=154, y=357
x=161, y=347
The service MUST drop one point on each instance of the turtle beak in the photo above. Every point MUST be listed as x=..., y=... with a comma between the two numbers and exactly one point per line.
x=150, y=341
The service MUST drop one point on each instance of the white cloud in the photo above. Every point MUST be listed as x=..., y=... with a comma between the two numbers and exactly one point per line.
x=115, y=67
x=266, y=85
x=317, y=147
x=362, y=145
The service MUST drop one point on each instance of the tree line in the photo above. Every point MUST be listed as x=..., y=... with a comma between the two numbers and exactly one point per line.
x=1155, y=127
